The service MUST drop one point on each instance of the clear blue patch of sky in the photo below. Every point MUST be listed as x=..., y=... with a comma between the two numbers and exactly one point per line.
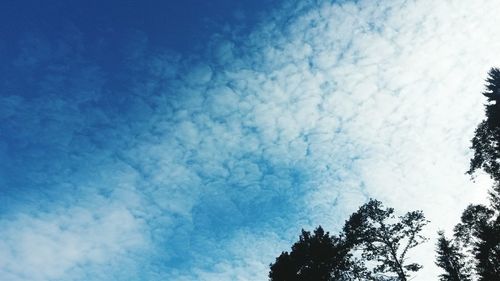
x=177, y=25
x=59, y=37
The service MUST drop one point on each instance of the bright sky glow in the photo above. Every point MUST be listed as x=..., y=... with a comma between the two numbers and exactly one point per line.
x=134, y=158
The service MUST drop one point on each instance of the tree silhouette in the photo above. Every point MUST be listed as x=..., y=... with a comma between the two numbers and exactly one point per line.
x=479, y=229
x=451, y=260
x=386, y=239
x=486, y=140
x=372, y=235
x=316, y=256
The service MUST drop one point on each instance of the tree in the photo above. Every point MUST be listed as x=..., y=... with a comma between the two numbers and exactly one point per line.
x=451, y=260
x=386, y=239
x=479, y=229
x=316, y=256
x=486, y=140
x=372, y=235
x=479, y=232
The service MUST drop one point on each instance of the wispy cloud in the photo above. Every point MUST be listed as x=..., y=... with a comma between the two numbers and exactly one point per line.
x=206, y=167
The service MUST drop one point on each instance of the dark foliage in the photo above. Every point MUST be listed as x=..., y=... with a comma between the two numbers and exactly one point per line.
x=373, y=234
x=485, y=142
x=316, y=256
x=386, y=239
x=479, y=232
x=451, y=260
x=479, y=229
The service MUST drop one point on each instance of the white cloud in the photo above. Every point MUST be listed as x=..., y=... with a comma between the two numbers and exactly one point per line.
x=47, y=246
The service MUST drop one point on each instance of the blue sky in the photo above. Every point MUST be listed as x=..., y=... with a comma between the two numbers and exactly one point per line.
x=178, y=25
x=152, y=141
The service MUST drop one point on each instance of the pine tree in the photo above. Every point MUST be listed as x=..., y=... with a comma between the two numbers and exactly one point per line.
x=486, y=140
x=480, y=225
x=451, y=260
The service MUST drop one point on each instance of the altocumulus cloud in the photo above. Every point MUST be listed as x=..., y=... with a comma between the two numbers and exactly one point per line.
x=205, y=167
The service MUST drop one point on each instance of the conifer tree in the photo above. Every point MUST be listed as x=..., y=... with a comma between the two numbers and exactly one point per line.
x=479, y=229
x=486, y=140
x=451, y=260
